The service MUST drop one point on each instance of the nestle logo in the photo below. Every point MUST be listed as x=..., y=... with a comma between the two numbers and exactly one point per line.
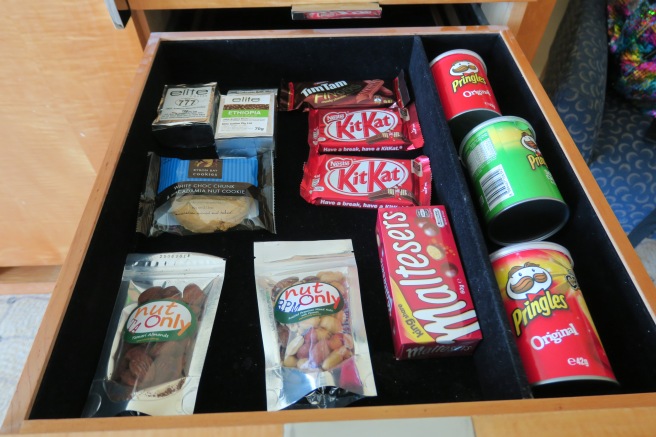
x=339, y=163
x=334, y=116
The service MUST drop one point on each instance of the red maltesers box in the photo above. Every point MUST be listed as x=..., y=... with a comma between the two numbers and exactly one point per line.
x=430, y=308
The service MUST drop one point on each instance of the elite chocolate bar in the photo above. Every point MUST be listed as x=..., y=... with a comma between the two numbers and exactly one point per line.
x=246, y=122
x=186, y=115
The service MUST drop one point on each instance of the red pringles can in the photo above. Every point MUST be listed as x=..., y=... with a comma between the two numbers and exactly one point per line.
x=464, y=90
x=556, y=338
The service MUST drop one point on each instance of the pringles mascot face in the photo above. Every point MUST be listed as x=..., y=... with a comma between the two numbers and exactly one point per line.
x=463, y=67
x=527, y=280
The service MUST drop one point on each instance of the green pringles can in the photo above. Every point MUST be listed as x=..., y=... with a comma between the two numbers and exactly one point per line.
x=516, y=191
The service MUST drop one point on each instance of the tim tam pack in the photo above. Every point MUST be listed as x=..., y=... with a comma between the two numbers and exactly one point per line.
x=430, y=308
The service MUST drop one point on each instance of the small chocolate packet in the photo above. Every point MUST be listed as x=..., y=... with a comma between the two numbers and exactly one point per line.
x=186, y=115
x=370, y=93
x=157, y=340
x=199, y=196
x=246, y=122
x=315, y=345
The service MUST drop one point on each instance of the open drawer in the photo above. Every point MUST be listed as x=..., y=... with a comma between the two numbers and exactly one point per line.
x=618, y=291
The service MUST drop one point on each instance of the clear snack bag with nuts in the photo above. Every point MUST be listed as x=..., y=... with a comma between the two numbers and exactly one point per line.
x=315, y=344
x=157, y=340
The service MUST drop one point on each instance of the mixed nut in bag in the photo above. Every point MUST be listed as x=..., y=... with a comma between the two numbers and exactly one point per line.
x=315, y=344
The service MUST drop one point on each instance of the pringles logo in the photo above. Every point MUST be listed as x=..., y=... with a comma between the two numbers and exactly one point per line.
x=530, y=283
x=535, y=160
x=467, y=73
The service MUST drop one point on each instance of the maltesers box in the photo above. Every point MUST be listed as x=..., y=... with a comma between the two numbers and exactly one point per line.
x=430, y=308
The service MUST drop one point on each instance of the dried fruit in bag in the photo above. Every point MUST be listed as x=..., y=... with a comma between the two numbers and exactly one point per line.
x=315, y=343
x=157, y=340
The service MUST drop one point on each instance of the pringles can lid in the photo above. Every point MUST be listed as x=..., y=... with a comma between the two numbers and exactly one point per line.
x=486, y=123
x=543, y=245
x=458, y=51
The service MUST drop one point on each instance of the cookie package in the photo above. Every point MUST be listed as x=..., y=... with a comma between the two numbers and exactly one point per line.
x=156, y=343
x=315, y=345
x=200, y=196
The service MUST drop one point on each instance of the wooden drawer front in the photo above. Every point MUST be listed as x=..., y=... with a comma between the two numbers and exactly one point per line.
x=233, y=377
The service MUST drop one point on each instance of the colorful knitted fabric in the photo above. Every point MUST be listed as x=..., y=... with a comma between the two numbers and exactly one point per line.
x=632, y=41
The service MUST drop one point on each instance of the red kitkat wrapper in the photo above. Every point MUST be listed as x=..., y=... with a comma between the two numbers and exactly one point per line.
x=430, y=308
x=366, y=182
x=365, y=130
x=372, y=93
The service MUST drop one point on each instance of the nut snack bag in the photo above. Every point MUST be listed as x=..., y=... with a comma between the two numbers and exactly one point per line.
x=156, y=343
x=315, y=344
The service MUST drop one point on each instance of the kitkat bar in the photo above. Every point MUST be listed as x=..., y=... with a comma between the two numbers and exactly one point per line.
x=365, y=130
x=368, y=93
x=430, y=308
x=366, y=182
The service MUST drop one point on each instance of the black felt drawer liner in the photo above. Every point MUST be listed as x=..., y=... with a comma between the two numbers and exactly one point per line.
x=233, y=376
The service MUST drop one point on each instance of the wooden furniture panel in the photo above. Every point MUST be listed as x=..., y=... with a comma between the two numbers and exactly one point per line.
x=526, y=19
x=533, y=26
x=66, y=74
x=205, y=4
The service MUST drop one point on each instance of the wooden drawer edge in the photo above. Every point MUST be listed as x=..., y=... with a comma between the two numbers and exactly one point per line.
x=45, y=338
x=321, y=33
x=206, y=4
x=487, y=414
